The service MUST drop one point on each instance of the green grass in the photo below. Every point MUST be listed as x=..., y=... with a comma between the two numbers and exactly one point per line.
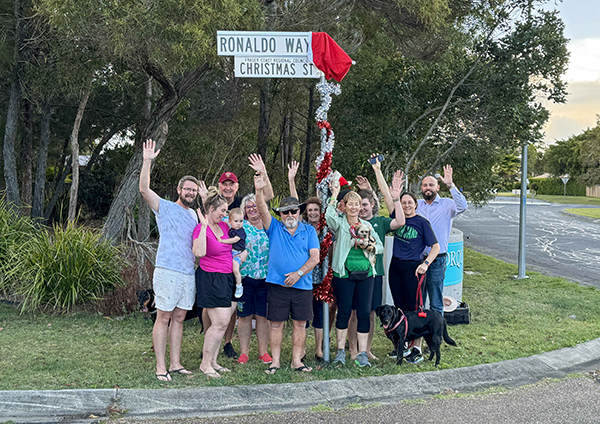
x=510, y=319
x=573, y=200
x=588, y=212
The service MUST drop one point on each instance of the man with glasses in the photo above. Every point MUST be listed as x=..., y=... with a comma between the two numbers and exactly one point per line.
x=173, y=282
x=294, y=252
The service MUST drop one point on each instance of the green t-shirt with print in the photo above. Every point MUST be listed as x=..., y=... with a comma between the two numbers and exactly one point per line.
x=381, y=225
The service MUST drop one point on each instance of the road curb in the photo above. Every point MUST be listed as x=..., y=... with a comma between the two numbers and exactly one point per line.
x=77, y=405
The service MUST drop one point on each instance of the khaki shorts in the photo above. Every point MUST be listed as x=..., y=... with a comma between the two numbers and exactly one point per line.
x=173, y=289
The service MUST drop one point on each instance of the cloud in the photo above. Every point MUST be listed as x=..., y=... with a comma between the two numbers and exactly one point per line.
x=578, y=114
x=584, y=63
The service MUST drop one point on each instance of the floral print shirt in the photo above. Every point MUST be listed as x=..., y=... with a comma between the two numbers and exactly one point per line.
x=257, y=245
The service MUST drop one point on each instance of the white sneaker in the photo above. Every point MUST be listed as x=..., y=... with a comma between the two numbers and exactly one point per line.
x=239, y=291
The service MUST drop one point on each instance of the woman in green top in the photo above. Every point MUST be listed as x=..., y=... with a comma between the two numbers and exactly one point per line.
x=352, y=271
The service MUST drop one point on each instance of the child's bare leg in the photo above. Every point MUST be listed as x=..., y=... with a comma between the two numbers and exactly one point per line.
x=236, y=273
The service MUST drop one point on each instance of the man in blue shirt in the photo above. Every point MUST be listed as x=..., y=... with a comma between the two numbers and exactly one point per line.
x=294, y=252
x=439, y=211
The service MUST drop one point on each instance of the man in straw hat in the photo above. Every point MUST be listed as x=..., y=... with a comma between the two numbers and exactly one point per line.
x=294, y=252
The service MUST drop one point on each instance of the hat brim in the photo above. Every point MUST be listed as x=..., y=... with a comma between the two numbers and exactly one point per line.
x=286, y=208
x=450, y=304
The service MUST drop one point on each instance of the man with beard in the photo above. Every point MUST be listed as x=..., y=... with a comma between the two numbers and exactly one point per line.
x=173, y=282
x=440, y=213
x=294, y=252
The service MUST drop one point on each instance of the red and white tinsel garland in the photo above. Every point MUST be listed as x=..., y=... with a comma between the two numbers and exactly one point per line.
x=324, y=291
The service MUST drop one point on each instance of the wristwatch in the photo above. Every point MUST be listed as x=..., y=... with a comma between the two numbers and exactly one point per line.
x=427, y=263
x=300, y=273
x=451, y=186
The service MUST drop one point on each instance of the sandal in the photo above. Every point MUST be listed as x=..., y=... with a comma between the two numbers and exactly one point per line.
x=271, y=370
x=182, y=371
x=166, y=377
x=211, y=374
x=222, y=369
x=303, y=368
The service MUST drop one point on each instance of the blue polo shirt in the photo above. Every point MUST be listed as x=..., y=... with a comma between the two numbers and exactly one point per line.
x=288, y=253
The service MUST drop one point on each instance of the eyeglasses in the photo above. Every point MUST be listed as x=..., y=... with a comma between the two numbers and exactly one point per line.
x=291, y=211
x=190, y=190
x=251, y=207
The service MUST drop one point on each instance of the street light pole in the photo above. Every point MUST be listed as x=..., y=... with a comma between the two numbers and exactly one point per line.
x=522, y=214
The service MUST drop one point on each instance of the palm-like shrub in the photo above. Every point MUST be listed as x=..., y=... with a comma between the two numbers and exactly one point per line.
x=59, y=269
x=15, y=229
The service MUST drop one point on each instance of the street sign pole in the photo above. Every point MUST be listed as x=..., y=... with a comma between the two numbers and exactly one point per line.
x=565, y=180
x=522, y=245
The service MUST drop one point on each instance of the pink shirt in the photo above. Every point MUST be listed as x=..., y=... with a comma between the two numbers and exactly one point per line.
x=218, y=255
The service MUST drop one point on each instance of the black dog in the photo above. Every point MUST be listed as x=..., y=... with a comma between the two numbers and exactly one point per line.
x=146, y=301
x=403, y=327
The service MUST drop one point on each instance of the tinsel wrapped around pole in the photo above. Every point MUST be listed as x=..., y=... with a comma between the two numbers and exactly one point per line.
x=324, y=290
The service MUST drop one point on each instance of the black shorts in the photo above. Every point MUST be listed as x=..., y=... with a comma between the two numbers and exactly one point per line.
x=284, y=301
x=254, y=299
x=214, y=289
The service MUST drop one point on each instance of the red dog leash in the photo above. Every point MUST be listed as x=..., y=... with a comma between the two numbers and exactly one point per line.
x=419, y=305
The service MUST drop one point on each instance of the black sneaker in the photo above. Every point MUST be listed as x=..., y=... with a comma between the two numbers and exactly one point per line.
x=392, y=354
x=229, y=351
x=415, y=356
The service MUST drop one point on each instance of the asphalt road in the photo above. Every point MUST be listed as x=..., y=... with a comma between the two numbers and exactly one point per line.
x=557, y=244
x=572, y=400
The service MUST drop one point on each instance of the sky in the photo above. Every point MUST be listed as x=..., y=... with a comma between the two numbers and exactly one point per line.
x=582, y=27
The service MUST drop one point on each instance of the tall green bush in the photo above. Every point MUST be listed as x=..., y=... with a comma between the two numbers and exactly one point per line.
x=59, y=269
x=15, y=229
x=555, y=186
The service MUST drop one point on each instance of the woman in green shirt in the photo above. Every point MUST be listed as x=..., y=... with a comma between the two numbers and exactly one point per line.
x=352, y=272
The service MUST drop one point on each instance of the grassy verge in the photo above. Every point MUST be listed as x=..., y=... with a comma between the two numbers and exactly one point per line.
x=588, y=212
x=511, y=319
x=572, y=200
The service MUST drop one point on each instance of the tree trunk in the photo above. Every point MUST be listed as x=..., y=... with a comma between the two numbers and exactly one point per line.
x=98, y=148
x=143, y=229
x=156, y=129
x=264, y=128
x=37, y=210
x=75, y=155
x=304, y=187
x=12, y=115
x=27, y=153
x=10, y=133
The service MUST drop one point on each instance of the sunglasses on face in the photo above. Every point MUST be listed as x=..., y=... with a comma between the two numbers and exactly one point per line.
x=291, y=211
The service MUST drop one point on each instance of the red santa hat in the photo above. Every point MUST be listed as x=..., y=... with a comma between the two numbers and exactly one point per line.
x=328, y=56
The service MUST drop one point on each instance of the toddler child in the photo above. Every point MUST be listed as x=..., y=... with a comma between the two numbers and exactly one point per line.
x=237, y=237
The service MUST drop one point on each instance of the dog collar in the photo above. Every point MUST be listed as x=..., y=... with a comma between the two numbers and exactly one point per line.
x=389, y=330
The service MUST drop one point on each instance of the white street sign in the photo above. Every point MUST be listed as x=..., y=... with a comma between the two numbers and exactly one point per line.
x=266, y=43
x=275, y=67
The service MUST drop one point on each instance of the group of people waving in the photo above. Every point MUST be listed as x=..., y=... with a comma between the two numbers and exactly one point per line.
x=242, y=264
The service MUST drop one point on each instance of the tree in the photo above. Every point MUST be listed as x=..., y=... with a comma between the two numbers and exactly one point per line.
x=468, y=105
x=172, y=41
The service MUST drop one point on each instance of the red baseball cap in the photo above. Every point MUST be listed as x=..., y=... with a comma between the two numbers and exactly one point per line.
x=228, y=176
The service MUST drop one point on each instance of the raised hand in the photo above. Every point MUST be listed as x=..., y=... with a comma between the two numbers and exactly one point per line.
x=257, y=163
x=259, y=182
x=149, y=153
x=377, y=164
x=398, y=179
x=201, y=217
x=447, y=178
x=362, y=183
x=293, y=170
x=202, y=190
